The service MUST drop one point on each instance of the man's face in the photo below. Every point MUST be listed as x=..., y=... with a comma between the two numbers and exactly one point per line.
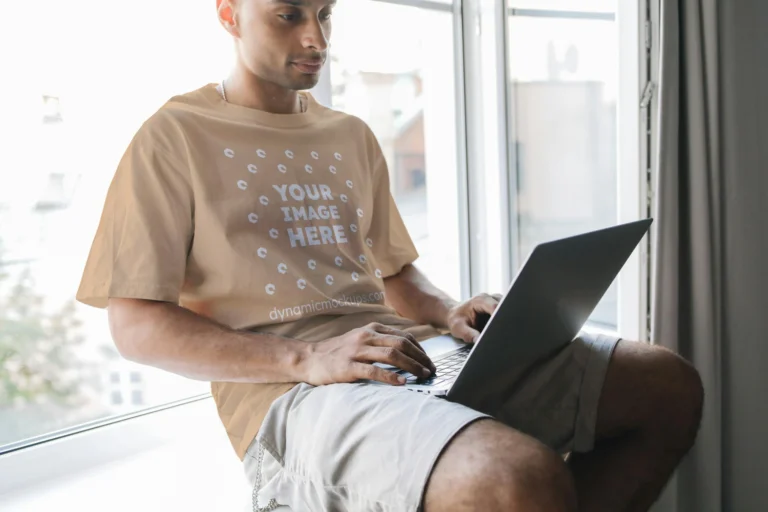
x=283, y=41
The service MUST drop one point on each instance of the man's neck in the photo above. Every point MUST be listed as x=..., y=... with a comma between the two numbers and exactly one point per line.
x=247, y=90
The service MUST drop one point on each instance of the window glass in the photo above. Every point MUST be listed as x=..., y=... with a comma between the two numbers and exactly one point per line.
x=74, y=91
x=403, y=87
x=563, y=75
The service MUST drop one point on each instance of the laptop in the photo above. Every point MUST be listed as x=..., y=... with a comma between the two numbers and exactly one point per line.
x=545, y=308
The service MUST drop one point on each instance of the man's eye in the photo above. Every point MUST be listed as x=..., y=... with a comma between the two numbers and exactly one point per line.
x=288, y=17
x=326, y=16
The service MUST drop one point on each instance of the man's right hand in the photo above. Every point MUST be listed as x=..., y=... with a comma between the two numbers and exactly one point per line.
x=349, y=357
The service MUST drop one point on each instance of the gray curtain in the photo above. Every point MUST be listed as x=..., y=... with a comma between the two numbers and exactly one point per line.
x=711, y=283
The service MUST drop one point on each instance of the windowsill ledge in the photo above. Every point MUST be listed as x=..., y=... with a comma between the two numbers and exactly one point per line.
x=175, y=459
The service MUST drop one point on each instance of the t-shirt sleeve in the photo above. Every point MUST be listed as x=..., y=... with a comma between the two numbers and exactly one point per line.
x=392, y=246
x=142, y=241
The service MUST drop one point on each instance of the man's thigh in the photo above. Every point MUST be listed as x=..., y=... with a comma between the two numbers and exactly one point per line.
x=490, y=466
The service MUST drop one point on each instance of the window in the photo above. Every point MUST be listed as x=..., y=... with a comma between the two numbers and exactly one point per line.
x=418, y=178
x=137, y=397
x=403, y=87
x=503, y=126
x=117, y=398
x=69, y=104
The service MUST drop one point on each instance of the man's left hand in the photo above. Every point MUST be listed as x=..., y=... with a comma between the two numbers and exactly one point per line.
x=464, y=320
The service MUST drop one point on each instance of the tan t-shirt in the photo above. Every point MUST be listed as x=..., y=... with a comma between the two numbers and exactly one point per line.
x=267, y=222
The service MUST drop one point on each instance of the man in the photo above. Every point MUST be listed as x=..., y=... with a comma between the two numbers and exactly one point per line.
x=249, y=238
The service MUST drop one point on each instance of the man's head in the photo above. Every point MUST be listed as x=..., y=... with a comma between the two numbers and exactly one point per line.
x=284, y=42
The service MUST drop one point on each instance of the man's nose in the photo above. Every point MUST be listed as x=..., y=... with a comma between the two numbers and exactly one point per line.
x=315, y=37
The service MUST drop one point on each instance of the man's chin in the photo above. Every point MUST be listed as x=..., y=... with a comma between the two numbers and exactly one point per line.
x=305, y=83
x=302, y=81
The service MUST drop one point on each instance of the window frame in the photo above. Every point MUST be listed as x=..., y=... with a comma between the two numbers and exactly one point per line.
x=633, y=191
x=632, y=188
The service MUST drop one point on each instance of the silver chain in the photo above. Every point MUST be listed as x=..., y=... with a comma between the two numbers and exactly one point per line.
x=224, y=95
x=272, y=505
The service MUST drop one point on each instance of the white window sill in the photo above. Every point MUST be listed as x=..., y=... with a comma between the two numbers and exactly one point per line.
x=175, y=459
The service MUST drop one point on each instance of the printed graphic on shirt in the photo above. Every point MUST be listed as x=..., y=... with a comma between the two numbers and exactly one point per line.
x=308, y=218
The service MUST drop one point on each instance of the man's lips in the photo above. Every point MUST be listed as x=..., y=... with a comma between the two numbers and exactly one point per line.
x=309, y=66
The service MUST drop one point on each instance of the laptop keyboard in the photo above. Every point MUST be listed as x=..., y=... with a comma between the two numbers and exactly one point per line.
x=447, y=369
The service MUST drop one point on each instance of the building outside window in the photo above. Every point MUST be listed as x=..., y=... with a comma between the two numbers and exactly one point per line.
x=563, y=75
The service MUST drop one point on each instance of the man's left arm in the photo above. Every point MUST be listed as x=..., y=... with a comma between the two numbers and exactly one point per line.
x=413, y=296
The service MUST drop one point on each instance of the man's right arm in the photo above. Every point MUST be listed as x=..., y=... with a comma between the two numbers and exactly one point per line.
x=172, y=338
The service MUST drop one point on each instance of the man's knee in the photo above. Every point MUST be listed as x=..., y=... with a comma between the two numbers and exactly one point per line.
x=489, y=466
x=685, y=395
x=653, y=389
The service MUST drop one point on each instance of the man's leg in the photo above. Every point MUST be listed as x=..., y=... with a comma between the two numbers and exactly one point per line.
x=647, y=420
x=491, y=467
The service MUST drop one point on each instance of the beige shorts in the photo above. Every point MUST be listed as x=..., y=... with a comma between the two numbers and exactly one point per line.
x=359, y=447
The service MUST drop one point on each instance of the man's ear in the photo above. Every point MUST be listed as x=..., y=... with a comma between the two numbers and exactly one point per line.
x=226, y=12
